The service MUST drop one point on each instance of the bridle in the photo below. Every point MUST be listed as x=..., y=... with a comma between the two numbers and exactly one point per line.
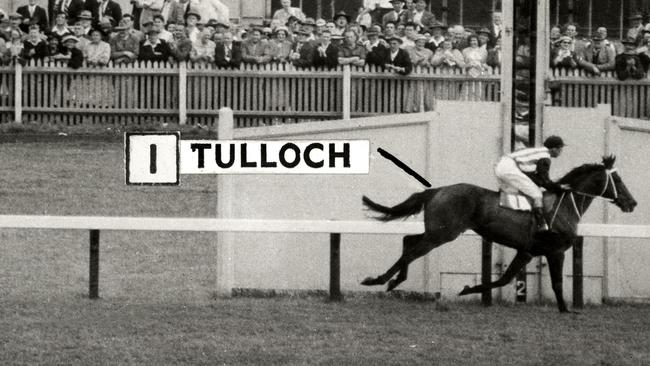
x=579, y=212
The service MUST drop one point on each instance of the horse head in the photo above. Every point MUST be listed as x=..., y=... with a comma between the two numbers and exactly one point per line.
x=601, y=180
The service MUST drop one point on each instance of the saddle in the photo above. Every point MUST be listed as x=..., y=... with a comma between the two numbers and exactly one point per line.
x=512, y=199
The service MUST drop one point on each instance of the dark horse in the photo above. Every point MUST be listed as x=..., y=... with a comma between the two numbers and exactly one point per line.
x=450, y=210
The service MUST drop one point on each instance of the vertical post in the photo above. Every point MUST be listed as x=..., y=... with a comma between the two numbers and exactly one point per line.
x=578, y=297
x=335, y=267
x=542, y=50
x=445, y=11
x=486, y=271
x=93, y=267
x=225, y=191
x=347, y=91
x=182, y=93
x=590, y=17
x=18, y=93
x=507, y=72
x=621, y=22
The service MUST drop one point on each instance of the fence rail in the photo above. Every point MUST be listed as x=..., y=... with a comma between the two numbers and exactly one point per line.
x=139, y=93
x=578, y=88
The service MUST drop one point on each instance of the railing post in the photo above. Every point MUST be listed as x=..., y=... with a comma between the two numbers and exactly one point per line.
x=335, y=267
x=18, y=92
x=182, y=93
x=486, y=271
x=578, y=294
x=225, y=193
x=93, y=267
x=347, y=91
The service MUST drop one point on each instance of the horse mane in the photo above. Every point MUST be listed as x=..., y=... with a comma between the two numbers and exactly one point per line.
x=575, y=173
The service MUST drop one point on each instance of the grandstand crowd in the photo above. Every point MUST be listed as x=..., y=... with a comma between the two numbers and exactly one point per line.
x=396, y=35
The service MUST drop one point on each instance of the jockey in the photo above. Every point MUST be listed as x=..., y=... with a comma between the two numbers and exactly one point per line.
x=527, y=170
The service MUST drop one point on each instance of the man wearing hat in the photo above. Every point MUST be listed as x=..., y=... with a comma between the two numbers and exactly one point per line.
x=309, y=25
x=397, y=59
x=421, y=16
x=377, y=48
x=597, y=56
x=483, y=35
x=154, y=49
x=630, y=63
x=70, y=52
x=397, y=15
x=341, y=20
x=527, y=170
x=32, y=14
x=437, y=36
x=124, y=45
x=191, y=21
x=255, y=50
x=283, y=14
x=304, y=51
x=84, y=20
x=636, y=28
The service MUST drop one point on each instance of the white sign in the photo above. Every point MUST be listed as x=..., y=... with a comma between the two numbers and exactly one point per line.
x=152, y=158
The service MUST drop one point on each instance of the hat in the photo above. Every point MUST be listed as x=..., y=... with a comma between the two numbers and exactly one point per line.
x=483, y=30
x=553, y=142
x=420, y=37
x=635, y=16
x=15, y=16
x=85, y=14
x=395, y=38
x=374, y=30
x=396, y=1
x=309, y=21
x=437, y=24
x=222, y=24
x=193, y=12
x=303, y=31
x=267, y=30
x=597, y=37
x=564, y=39
x=293, y=18
x=341, y=14
x=127, y=15
x=69, y=37
x=336, y=37
x=147, y=23
x=211, y=23
x=97, y=29
x=153, y=31
x=321, y=22
x=282, y=28
x=629, y=40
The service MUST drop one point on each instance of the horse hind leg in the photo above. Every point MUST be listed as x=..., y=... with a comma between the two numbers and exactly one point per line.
x=521, y=259
x=407, y=242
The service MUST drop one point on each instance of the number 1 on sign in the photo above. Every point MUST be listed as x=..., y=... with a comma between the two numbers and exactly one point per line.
x=152, y=158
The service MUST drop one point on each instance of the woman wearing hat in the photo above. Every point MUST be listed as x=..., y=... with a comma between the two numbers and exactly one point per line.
x=630, y=63
x=281, y=45
x=446, y=56
x=563, y=56
x=341, y=20
x=70, y=52
x=98, y=52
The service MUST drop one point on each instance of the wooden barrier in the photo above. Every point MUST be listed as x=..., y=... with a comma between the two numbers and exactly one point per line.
x=334, y=228
x=148, y=93
x=577, y=88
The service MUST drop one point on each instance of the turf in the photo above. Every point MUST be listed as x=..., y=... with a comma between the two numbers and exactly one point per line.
x=158, y=307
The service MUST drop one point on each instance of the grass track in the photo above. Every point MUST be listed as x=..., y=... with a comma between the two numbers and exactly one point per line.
x=157, y=289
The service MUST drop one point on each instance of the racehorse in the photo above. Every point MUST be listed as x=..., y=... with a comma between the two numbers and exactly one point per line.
x=450, y=210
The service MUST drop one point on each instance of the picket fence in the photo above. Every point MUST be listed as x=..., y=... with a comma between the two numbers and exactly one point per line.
x=141, y=93
x=578, y=88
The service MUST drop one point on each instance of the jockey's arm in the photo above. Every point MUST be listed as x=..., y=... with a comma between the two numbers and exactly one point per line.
x=541, y=178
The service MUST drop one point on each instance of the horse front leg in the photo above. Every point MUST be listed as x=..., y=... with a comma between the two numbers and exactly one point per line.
x=555, y=265
x=519, y=261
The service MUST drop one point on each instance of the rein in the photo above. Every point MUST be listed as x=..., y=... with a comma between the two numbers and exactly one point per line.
x=579, y=213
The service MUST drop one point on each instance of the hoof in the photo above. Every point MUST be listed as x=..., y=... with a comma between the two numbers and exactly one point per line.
x=466, y=290
x=368, y=281
x=391, y=285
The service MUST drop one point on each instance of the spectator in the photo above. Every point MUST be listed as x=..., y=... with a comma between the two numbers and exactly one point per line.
x=309, y=25
x=167, y=10
x=377, y=9
x=390, y=30
x=437, y=37
x=495, y=28
x=420, y=16
x=474, y=56
x=293, y=24
x=326, y=54
x=458, y=37
x=631, y=64
x=304, y=51
x=159, y=24
x=410, y=33
x=154, y=49
x=127, y=21
x=33, y=14
x=191, y=19
x=397, y=15
x=597, y=57
x=495, y=55
x=16, y=21
x=419, y=54
x=70, y=52
x=577, y=44
x=330, y=26
x=376, y=48
x=321, y=25
x=203, y=50
x=214, y=9
x=34, y=47
x=555, y=33
x=341, y=20
x=124, y=45
x=15, y=46
x=563, y=56
x=351, y=52
x=177, y=11
x=149, y=8
x=84, y=20
x=71, y=8
x=636, y=28
x=109, y=9
x=483, y=38
x=448, y=57
x=397, y=59
x=228, y=54
x=98, y=52
x=283, y=14
x=5, y=29
x=79, y=33
x=181, y=46
x=364, y=18
x=60, y=29
x=281, y=45
x=615, y=44
x=106, y=27
x=255, y=50
x=221, y=27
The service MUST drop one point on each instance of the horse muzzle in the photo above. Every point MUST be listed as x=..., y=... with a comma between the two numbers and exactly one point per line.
x=626, y=205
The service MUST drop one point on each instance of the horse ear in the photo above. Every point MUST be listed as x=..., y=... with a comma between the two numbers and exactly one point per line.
x=608, y=161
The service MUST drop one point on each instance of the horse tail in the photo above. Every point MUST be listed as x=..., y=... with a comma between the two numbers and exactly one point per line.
x=411, y=206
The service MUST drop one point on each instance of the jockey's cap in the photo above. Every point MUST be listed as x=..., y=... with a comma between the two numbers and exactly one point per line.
x=553, y=142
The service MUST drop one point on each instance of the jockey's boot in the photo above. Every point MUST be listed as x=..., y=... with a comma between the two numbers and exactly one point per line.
x=540, y=219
